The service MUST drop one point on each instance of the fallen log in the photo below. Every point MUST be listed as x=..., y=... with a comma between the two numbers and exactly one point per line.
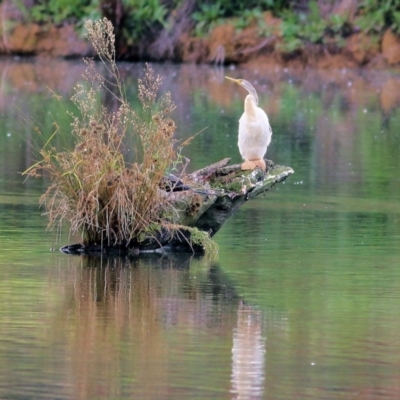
x=206, y=199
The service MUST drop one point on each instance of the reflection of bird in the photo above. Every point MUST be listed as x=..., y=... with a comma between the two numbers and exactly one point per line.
x=254, y=129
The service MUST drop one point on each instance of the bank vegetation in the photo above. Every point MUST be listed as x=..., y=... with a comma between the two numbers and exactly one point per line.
x=322, y=33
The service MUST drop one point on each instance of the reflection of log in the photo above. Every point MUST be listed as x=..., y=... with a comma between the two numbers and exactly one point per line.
x=210, y=197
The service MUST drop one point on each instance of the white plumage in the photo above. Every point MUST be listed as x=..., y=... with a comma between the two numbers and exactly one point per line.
x=254, y=129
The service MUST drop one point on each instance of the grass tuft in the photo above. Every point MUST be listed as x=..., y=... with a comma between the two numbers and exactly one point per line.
x=106, y=199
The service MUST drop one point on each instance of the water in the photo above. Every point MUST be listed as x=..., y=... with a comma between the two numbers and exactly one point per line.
x=301, y=302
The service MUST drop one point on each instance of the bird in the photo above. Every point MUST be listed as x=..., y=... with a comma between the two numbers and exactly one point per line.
x=254, y=129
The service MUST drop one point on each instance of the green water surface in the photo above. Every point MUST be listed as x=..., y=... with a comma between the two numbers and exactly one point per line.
x=301, y=302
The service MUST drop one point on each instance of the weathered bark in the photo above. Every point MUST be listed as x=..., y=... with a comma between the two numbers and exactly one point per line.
x=210, y=196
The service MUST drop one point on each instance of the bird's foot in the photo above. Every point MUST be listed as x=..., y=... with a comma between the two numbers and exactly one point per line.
x=260, y=163
x=248, y=165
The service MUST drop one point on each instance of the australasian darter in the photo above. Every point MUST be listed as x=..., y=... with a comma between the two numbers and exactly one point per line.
x=254, y=129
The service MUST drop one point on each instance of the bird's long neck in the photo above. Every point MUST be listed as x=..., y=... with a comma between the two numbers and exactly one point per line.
x=250, y=106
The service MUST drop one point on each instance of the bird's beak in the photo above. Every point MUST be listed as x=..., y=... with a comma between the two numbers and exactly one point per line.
x=246, y=85
x=234, y=80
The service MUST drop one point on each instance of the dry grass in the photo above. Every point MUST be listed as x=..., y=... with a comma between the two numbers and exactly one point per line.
x=107, y=200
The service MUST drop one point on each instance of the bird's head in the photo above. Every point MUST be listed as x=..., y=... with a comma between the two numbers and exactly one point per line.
x=246, y=85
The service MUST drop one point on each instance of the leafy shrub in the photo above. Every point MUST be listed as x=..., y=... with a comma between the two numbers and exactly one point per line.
x=302, y=28
x=143, y=17
x=302, y=22
x=58, y=11
x=208, y=16
x=375, y=15
x=211, y=14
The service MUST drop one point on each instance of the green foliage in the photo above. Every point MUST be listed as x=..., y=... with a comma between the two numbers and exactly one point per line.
x=208, y=16
x=202, y=239
x=58, y=11
x=143, y=16
x=300, y=29
x=236, y=8
x=291, y=31
x=245, y=13
x=249, y=16
x=376, y=15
